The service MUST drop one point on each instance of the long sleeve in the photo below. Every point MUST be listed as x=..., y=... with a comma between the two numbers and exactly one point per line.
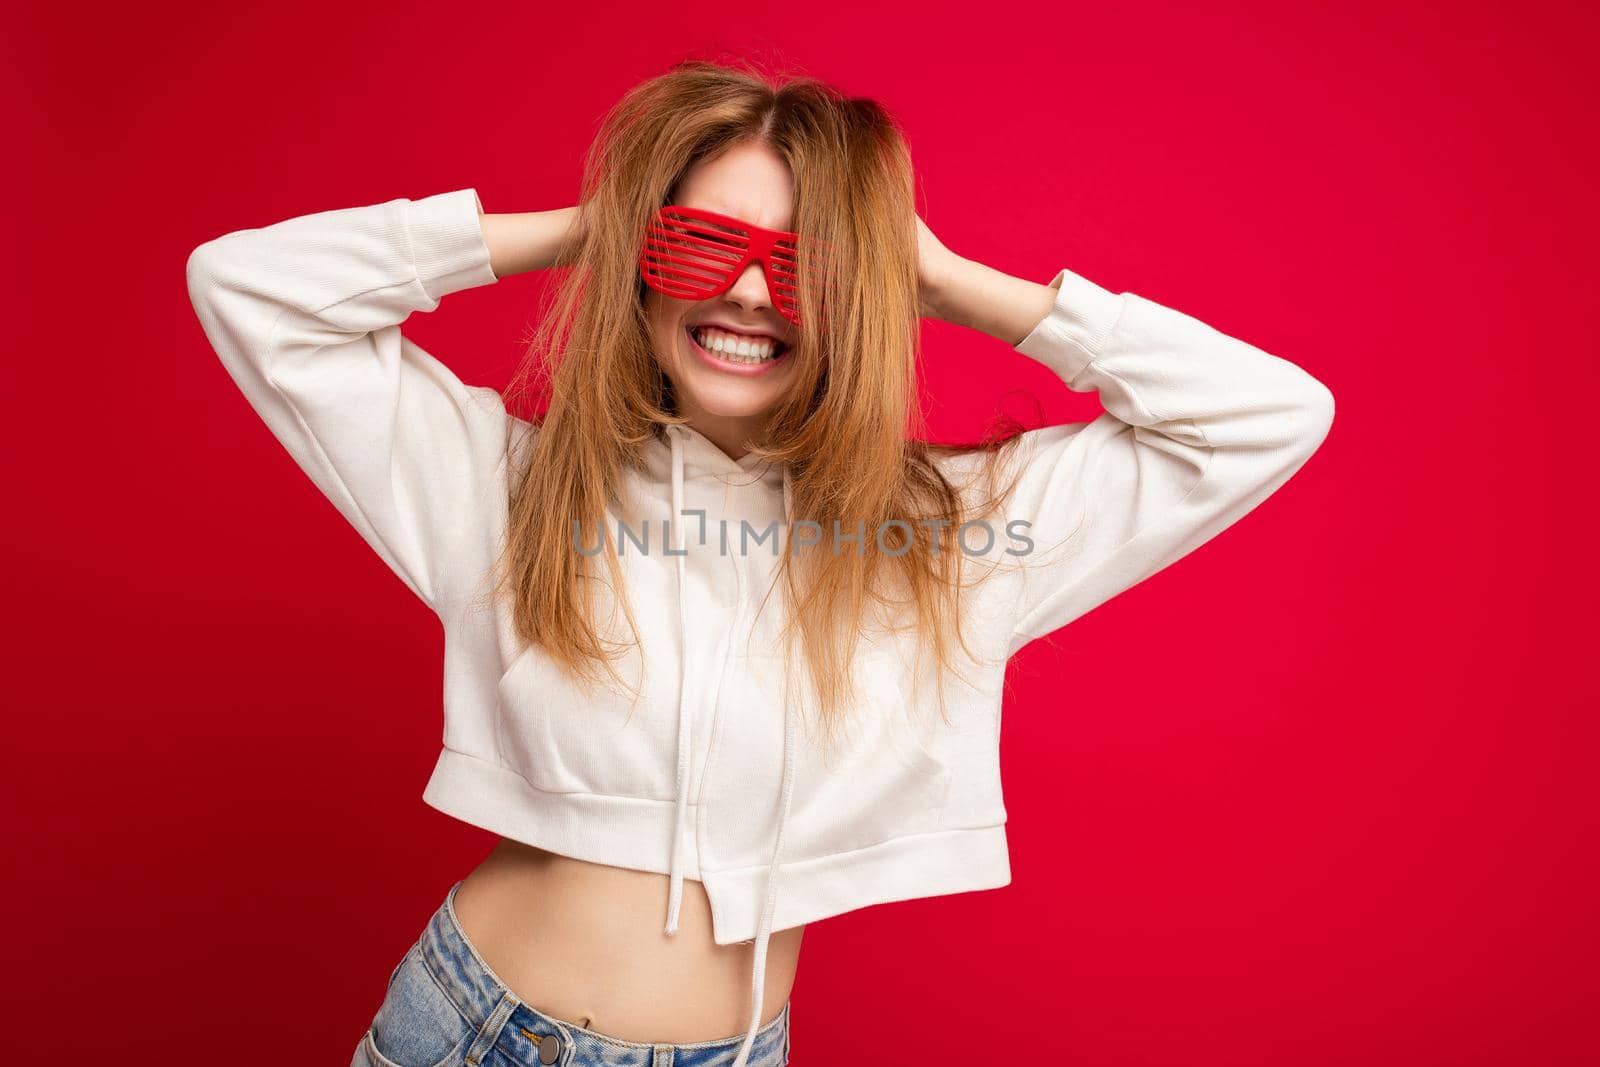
x=1198, y=429
x=305, y=315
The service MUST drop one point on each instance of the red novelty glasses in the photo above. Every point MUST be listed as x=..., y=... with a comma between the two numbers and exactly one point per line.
x=692, y=254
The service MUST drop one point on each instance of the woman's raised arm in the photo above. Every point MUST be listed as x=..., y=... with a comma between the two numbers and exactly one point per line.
x=305, y=315
x=531, y=240
x=1199, y=428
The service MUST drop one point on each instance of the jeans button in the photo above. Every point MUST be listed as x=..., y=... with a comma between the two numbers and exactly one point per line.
x=549, y=1048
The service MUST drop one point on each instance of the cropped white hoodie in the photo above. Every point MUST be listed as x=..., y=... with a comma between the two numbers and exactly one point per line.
x=709, y=776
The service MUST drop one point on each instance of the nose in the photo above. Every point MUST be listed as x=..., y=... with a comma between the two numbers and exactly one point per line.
x=750, y=291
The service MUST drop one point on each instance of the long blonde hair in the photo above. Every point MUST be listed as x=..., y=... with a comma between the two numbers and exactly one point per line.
x=848, y=429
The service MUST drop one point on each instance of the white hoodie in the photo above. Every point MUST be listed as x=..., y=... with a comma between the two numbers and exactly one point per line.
x=710, y=776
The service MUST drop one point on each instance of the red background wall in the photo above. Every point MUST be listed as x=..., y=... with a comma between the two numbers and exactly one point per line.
x=1322, y=793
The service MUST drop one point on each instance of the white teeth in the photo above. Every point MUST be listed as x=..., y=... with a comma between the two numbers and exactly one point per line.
x=732, y=348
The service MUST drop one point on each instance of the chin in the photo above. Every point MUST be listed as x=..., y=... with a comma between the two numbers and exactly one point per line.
x=729, y=400
x=704, y=389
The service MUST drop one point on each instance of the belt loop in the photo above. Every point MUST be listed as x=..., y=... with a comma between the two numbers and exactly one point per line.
x=490, y=1033
x=662, y=1056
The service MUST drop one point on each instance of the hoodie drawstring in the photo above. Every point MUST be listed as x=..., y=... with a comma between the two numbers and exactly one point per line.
x=675, y=894
x=769, y=908
x=681, y=810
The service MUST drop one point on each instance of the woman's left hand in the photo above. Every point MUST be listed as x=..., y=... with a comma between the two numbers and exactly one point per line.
x=933, y=268
x=969, y=293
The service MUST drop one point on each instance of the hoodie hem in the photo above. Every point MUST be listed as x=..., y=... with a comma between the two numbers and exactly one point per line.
x=934, y=864
x=631, y=832
x=634, y=833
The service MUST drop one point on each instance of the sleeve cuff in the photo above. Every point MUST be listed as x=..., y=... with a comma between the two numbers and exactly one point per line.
x=447, y=243
x=1075, y=329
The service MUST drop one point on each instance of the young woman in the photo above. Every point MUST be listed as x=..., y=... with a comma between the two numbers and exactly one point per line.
x=723, y=636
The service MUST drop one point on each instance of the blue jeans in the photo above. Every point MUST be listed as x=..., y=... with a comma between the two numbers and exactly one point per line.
x=446, y=1008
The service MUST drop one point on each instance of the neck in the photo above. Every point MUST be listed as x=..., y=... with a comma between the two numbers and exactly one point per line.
x=727, y=432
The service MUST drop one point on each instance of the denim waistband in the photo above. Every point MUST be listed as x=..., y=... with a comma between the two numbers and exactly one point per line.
x=506, y=1024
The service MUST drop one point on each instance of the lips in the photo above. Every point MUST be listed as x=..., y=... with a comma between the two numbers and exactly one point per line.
x=752, y=334
x=728, y=366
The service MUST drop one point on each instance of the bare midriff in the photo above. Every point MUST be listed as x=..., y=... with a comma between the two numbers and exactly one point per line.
x=584, y=942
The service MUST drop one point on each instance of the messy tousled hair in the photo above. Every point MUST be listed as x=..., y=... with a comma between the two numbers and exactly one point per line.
x=849, y=430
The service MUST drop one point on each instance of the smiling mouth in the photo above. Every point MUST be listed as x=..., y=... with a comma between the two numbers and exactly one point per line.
x=730, y=348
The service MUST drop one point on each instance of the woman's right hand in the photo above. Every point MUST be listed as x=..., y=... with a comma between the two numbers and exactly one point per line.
x=532, y=240
x=571, y=227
